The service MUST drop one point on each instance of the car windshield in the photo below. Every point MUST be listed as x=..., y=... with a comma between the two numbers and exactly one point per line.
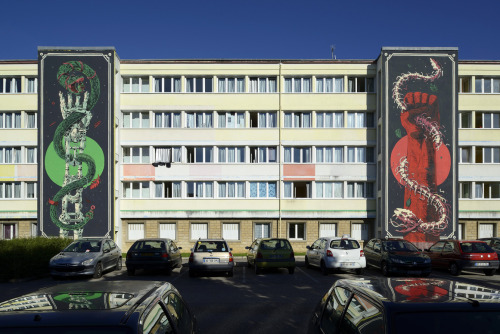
x=148, y=245
x=211, y=246
x=475, y=247
x=344, y=244
x=72, y=330
x=275, y=244
x=399, y=246
x=84, y=246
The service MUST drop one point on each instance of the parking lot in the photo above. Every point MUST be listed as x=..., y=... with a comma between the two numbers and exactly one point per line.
x=274, y=302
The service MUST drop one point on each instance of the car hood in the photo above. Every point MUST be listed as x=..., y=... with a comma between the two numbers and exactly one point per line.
x=409, y=255
x=72, y=257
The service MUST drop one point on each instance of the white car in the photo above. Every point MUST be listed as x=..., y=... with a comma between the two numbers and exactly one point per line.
x=336, y=253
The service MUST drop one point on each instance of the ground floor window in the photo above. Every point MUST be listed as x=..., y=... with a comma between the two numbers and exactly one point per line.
x=135, y=231
x=486, y=230
x=327, y=230
x=9, y=231
x=359, y=231
x=231, y=231
x=461, y=231
x=297, y=231
x=199, y=230
x=167, y=230
x=262, y=230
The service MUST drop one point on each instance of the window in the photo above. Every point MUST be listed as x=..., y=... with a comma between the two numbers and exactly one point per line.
x=487, y=190
x=461, y=231
x=329, y=189
x=327, y=230
x=330, y=85
x=487, y=85
x=135, y=85
x=200, y=154
x=360, y=120
x=360, y=85
x=10, y=120
x=8, y=231
x=357, y=314
x=136, y=189
x=199, y=230
x=167, y=119
x=168, y=230
x=297, y=231
x=486, y=120
x=329, y=154
x=231, y=85
x=262, y=230
x=488, y=155
x=231, y=154
x=162, y=156
x=30, y=120
x=297, y=189
x=466, y=190
x=263, y=85
x=466, y=154
x=200, y=189
x=199, y=120
x=136, y=119
x=334, y=308
x=297, y=154
x=30, y=155
x=199, y=85
x=263, y=120
x=167, y=85
x=10, y=189
x=465, y=85
x=298, y=85
x=136, y=154
x=167, y=189
x=135, y=231
x=10, y=85
x=231, y=231
x=329, y=119
x=298, y=120
x=466, y=120
x=263, y=154
x=263, y=190
x=360, y=154
x=13, y=155
x=231, y=119
x=359, y=231
x=360, y=190
x=231, y=189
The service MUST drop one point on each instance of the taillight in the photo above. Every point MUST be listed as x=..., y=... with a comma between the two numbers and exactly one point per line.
x=259, y=255
x=361, y=253
x=494, y=256
x=191, y=257
x=329, y=253
x=164, y=255
x=230, y=257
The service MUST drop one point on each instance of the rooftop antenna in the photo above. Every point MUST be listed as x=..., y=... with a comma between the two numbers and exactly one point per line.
x=332, y=49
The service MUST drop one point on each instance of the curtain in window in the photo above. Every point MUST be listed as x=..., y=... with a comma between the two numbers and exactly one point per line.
x=222, y=120
x=199, y=120
x=262, y=120
x=253, y=189
x=158, y=189
x=361, y=154
x=177, y=120
x=176, y=154
x=328, y=190
x=240, y=120
x=296, y=120
x=350, y=189
x=351, y=120
x=167, y=120
x=8, y=120
x=261, y=231
x=288, y=154
x=145, y=190
x=272, y=120
x=319, y=189
x=288, y=85
x=222, y=85
x=288, y=190
x=240, y=189
x=17, y=155
x=329, y=154
x=158, y=120
x=231, y=154
x=15, y=85
x=361, y=120
x=8, y=155
x=319, y=85
x=262, y=85
x=339, y=85
x=307, y=85
x=320, y=120
x=190, y=120
x=231, y=85
x=272, y=154
x=163, y=154
x=31, y=120
x=199, y=189
x=306, y=154
x=189, y=85
x=339, y=154
x=208, y=120
x=253, y=85
x=17, y=190
x=31, y=155
x=157, y=85
x=262, y=154
x=272, y=85
x=209, y=154
x=177, y=85
x=320, y=154
x=176, y=189
x=32, y=85
x=338, y=189
x=288, y=120
x=241, y=85
x=8, y=190
x=231, y=190
x=2, y=115
x=209, y=189
x=329, y=85
x=360, y=190
x=339, y=120
x=222, y=189
x=307, y=120
x=1, y=155
x=30, y=190
x=222, y=154
x=479, y=190
x=262, y=189
x=351, y=154
x=272, y=189
x=297, y=85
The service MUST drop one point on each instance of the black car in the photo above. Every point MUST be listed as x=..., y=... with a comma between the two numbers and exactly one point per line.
x=397, y=256
x=96, y=307
x=160, y=254
x=407, y=305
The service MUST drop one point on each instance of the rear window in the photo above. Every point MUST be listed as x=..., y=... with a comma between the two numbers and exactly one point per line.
x=275, y=244
x=149, y=245
x=475, y=247
x=344, y=244
x=84, y=246
x=211, y=246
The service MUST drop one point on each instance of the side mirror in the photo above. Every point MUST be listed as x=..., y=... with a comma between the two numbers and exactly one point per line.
x=308, y=247
x=105, y=250
x=426, y=250
x=179, y=247
x=248, y=247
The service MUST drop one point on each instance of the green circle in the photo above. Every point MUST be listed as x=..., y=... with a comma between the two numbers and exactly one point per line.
x=55, y=166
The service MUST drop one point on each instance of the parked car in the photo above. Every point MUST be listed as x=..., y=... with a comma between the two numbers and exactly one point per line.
x=99, y=307
x=157, y=253
x=397, y=256
x=271, y=253
x=493, y=243
x=406, y=305
x=87, y=256
x=336, y=253
x=458, y=255
x=211, y=255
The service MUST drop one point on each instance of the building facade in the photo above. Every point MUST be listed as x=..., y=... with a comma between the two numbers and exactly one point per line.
x=242, y=149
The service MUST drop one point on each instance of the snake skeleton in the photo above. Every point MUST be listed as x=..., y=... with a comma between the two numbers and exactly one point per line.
x=406, y=220
x=69, y=144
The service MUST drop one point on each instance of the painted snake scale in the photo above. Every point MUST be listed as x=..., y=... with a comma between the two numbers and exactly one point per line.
x=69, y=143
x=404, y=219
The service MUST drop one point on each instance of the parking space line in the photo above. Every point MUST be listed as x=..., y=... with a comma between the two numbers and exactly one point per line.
x=309, y=276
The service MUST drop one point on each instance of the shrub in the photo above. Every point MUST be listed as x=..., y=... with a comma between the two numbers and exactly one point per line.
x=28, y=257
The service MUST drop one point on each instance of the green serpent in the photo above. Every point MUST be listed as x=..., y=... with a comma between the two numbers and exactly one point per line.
x=71, y=76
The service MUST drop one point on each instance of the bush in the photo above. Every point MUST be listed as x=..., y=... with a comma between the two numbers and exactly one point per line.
x=28, y=257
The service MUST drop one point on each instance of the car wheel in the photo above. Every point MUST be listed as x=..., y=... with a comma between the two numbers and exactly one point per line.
x=489, y=272
x=291, y=270
x=130, y=271
x=385, y=269
x=324, y=269
x=307, y=263
x=119, y=264
x=455, y=269
x=98, y=270
x=360, y=271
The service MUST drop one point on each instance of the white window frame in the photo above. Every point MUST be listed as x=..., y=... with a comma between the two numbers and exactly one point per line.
x=195, y=84
x=174, y=88
x=368, y=81
x=494, y=155
x=463, y=115
x=175, y=120
x=481, y=84
x=327, y=230
x=231, y=231
x=225, y=81
x=258, y=188
x=144, y=119
x=223, y=189
x=291, y=158
x=231, y=115
x=198, y=231
x=10, y=85
x=129, y=154
x=464, y=186
x=15, y=120
x=135, y=231
x=290, y=189
x=26, y=120
x=336, y=116
x=177, y=184
x=264, y=227
x=168, y=230
x=270, y=85
x=204, y=189
x=357, y=186
x=143, y=84
x=360, y=231
x=486, y=230
x=302, y=87
x=294, y=227
x=462, y=84
x=207, y=117
x=337, y=85
x=466, y=150
x=144, y=188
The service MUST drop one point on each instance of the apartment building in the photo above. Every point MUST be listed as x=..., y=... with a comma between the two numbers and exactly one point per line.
x=242, y=149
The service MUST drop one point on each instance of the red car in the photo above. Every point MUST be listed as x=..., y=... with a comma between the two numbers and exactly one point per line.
x=458, y=255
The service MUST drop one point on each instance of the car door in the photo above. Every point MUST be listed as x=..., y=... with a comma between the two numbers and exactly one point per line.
x=251, y=252
x=377, y=253
x=313, y=253
x=107, y=255
x=175, y=254
x=368, y=250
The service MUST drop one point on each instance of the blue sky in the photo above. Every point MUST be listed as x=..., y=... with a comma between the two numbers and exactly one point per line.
x=251, y=29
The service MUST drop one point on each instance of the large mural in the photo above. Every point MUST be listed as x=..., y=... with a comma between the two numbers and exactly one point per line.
x=76, y=141
x=421, y=138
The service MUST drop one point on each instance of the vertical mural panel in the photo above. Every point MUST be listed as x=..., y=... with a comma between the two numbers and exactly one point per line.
x=421, y=134
x=76, y=132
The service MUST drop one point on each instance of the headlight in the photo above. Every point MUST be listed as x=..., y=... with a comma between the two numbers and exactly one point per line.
x=87, y=262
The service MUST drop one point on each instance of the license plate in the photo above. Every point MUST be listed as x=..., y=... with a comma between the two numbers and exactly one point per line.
x=347, y=264
x=147, y=254
x=210, y=260
x=275, y=256
x=481, y=264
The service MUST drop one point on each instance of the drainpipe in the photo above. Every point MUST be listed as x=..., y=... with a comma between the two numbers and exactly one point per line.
x=280, y=150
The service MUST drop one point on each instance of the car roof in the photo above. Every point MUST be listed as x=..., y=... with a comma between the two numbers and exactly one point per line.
x=210, y=240
x=119, y=299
